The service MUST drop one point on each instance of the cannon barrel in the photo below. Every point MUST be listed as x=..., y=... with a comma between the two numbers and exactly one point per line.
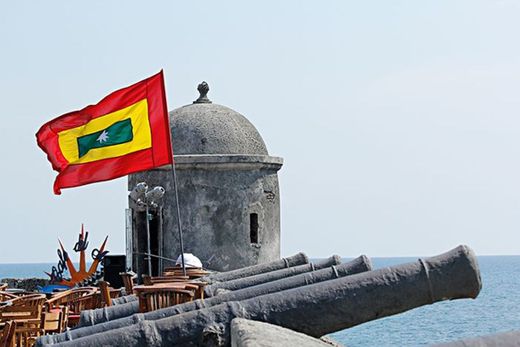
x=124, y=299
x=96, y=316
x=239, y=283
x=316, y=309
x=358, y=265
x=294, y=260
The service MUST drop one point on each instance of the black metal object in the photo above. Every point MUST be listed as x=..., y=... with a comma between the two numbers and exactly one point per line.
x=250, y=281
x=294, y=260
x=316, y=309
x=112, y=266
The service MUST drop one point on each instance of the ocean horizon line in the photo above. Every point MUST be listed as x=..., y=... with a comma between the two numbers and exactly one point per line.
x=54, y=262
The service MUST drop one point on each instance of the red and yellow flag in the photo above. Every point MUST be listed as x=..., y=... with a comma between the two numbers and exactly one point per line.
x=126, y=132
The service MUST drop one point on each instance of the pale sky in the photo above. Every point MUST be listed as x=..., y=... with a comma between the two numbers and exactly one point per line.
x=398, y=120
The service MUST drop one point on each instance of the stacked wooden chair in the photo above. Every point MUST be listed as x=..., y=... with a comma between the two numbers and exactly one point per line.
x=170, y=289
x=151, y=299
x=88, y=298
x=60, y=306
x=77, y=300
x=54, y=320
x=26, y=314
x=20, y=318
x=182, y=282
x=7, y=334
x=24, y=318
x=7, y=327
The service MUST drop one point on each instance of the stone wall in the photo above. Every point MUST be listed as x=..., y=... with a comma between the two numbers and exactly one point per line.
x=29, y=284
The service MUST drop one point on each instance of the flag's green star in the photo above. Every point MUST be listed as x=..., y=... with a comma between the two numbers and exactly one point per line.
x=103, y=137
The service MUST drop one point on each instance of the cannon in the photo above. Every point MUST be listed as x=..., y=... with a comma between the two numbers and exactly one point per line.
x=124, y=299
x=250, y=281
x=294, y=260
x=92, y=317
x=358, y=265
x=315, y=309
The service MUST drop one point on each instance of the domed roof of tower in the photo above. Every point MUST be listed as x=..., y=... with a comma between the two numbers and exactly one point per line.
x=207, y=128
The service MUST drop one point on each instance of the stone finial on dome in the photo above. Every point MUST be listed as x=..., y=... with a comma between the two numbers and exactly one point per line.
x=203, y=89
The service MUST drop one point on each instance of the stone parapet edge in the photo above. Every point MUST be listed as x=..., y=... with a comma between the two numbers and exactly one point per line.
x=225, y=162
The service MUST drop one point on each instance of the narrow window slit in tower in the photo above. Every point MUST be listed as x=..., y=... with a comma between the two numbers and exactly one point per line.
x=253, y=227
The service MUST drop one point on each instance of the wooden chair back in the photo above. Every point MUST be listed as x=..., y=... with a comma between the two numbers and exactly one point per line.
x=83, y=302
x=58, y=299
x=75, y=300
x=28, y=307
x=156, y=298
x=198, y=287
x=55, y=320
x=7, y=337
x=55, y=315
x=81, y=299
x=128, y=282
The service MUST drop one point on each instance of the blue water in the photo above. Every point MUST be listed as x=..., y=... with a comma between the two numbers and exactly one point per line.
x=36, y=270
x=31, y=270
x=496, y=309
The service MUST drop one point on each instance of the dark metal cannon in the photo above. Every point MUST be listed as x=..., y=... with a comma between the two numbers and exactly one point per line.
x=239, y=283
x=91, y=317
x=316, y=309
x=358, y=265
x=124, y=299
x=294, y=260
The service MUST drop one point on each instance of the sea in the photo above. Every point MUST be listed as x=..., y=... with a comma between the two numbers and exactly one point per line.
x=497, y=308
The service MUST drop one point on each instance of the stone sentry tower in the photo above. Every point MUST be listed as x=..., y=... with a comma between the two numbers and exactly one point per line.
x=228, y=193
